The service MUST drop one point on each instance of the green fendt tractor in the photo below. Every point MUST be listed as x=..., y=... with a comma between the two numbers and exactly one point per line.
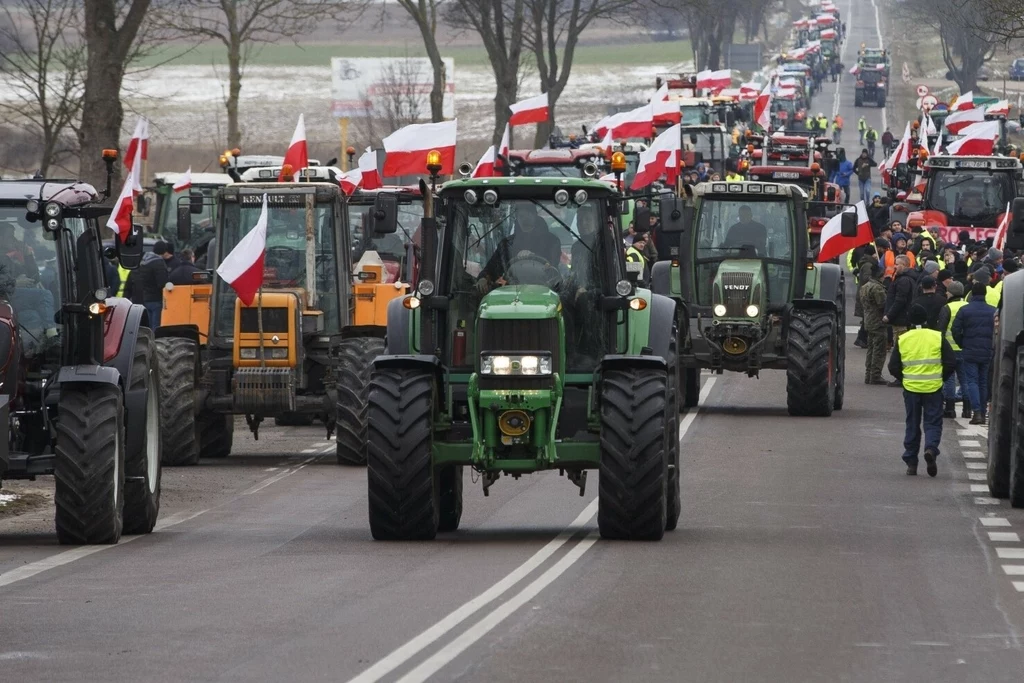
x=755, y=298
x=529, y=348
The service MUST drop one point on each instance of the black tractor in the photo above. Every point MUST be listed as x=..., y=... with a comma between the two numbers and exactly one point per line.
x=78, y=368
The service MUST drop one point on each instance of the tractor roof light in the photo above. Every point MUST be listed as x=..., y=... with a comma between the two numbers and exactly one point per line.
x=815, y=167
x=236, y=152
x=433, y=162
x=618, y=162
x=287, y=171
x=110, y=154
x=223, y=160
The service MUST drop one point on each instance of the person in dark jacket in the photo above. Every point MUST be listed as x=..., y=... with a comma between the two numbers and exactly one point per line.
x=147, y=283
x=921, y=361
x=955, y=295
x=931, y=301
x=973, y=329
x=899, y=297
x=182, y=275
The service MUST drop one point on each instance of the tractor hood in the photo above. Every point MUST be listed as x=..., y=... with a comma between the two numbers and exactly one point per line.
x=739, y=283
x=520, y=302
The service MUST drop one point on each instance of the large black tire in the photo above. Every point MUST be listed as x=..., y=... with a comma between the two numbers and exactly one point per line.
x=810, y=363
x=216, y=434
x=1001, y=428
x=632, y=491
x=449, y=498
x=691, y=391
x=89, y=469
x=673, y=501
x=142, y=469
x=1016, y=455
x=178, y=432
x=355, y=365
x=404, y=494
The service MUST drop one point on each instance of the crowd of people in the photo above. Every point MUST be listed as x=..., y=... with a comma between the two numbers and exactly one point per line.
x=146, y=284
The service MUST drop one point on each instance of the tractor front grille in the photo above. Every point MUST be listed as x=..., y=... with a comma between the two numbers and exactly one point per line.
x=275, y=319
x=736, y=293
x=518, y=336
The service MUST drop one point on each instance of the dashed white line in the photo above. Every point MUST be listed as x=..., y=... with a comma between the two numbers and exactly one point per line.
x=994, y=521
x=979, y=488
x=977, y=476
x=969, y=444
x=1013, y=569
x=973, y=454
x=976, y=465
x=983, y=500
x=1010, y=553
x=1003, y=537
x=1019, y=585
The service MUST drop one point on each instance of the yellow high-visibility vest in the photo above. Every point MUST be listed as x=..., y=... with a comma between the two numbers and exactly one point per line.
x=122, y=273
x=921, y=353
x=994, y=294
x=953, y=307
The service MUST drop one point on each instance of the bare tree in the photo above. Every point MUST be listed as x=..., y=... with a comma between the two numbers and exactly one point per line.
x=967, y=40
x=241, y=26
x=112, y=28
x=42, y=66
x=424, y=14
x=712, y=25
x=555, y=29
x=394, y=103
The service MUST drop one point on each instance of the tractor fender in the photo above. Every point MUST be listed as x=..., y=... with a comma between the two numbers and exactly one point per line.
x=134, y=400
x=190, y=332
x=616, y=361
x=426, y=364
x=1011, y=313
x=814, y=305
x=398, y=340
x=662, y=326
x=661, y=278
x=88, y=374
x=830, y=282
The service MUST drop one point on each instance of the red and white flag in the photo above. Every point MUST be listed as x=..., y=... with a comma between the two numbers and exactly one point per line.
x=530, y=110
x=243, y=267
x=749, y=90
x=900, y=155
x=635, y=123
x=1000, y=239
x=833, y=243
x=763, y=108
x=964, y=102
x=297, y=155
x=714, y=80
x=978, y=140
x=660, y=159
x=485, y=167
x=138, y=146
x=929, y=126
x=1000, y=108
x=369, y=177
x=608, y=144
x=184, y=182
x=350, y=181
x=120, y=220
x=407, y=148
x=666, y=111
x=959, y=120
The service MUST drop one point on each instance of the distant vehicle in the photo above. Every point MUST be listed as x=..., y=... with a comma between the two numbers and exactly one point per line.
x=1017, y=69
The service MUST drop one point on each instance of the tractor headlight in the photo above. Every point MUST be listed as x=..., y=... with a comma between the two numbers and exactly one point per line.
x=753, y=310
x=426, y=288
x=52, y=210
x=279, y=354
x=720, y=311
x=247, y=354
x=623, y=288
x=500, y=364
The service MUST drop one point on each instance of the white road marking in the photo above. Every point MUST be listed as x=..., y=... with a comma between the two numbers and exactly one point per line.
x=994, y=521
x=278, y=477
x=982, y=500
x=309, y=450
x=1019, y=585
x=973, y=454
x=979, y=488
x=969, y=443
x=1003, y=537
x=977, y=476
x=1013, y=569
x=1010, y=553
x=976, y=466
x=399, y=656
x=852, y=329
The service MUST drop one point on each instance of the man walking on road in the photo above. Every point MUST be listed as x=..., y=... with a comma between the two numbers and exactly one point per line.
x=955, y=294
x=872, y=303
x=862, y=126
x=973, y=329
x=921, y=360
x=898, y=300
x=871, y=137
x=862, y=167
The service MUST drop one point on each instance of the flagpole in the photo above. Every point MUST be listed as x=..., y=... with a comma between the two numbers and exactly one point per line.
x=259, y=324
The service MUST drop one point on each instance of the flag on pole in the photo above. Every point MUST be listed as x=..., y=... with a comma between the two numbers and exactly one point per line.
x=763, y=108
x=530, y=110
x=120, y=220
x=1004, y=225
x=666, y=111
x=833, y=243
x=138, y=146
x=184, y=182
x=485, y=167
x=978, y=140
x=243, y=267
x=369, y=176
x=407, y=148
x=661, y=158
x=963, y=102
x=297, y=156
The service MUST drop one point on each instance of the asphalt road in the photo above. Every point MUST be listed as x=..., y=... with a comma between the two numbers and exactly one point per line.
x=803, y=554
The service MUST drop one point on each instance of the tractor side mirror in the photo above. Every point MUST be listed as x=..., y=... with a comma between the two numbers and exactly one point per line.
x=195, y=202
x=1017, y=222
x=848, y=226
x=184, y=225
x=675, y=215
x=129, y=253
x=384, y=217
x=641, y=219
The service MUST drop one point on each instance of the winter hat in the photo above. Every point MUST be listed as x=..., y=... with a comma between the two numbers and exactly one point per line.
x=882, y=243
x=897, y=236
x=943, y=275
x=161, y=248
x=994, y=254
x=955, y=289
x=927, y=282
x=918, y=316
x=931, y=267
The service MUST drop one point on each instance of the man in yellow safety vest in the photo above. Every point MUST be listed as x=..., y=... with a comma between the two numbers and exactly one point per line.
x=921, y=359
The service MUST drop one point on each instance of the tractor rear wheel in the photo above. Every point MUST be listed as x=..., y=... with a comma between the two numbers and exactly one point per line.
x=89, y=469
x=142, y=469
x=1001, y=427
x=811, y=363
x=450, y=497
x=216, y=434
x=404, y=494
x=355, y=364
x=632, y=491
x=1016, y=455
x=692, y=387
x=673, y=502
x=178, y=433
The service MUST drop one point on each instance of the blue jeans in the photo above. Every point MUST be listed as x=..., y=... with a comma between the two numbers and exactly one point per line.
x=154, y=308
x=949, y=386
x=865, y=190
x=926, y=407
x=976, y=383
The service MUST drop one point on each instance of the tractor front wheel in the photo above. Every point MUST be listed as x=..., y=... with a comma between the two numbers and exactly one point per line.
x=811, y=363
x=633, y=486
x=355, y=364
x=89, y=469
x=404, y=493
x=142, y=469
x=178, y=434
x=1001, y=427
x=1016, y=457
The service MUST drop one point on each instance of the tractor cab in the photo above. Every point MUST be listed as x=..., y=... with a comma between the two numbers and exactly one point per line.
x=552, y=163
x=196, y=201
x=706, y=147
x=235, y=164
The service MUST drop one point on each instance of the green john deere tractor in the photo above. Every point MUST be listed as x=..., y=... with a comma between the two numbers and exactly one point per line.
x=529, y=349
x=754, y=296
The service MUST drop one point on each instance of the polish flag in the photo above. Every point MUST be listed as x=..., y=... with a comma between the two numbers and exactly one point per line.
x=369, y=177
x=900, y=155
x=243, y=267
x=485, y=167
x=959, y=120
x=1000, y=239
x=978, y=140
x=635, y=123
x=297, y=155
x=120, y=220
x=833, y=243
x=666, y=112
x=184, y=182
x=407, y=148
x=530, y=110
x=661, y=158
x=938, y=146
x=749, y=91
x=929, y=126
x=1000, y=108
x=828, y=34
x=138, y=146
x=714, y=80
x=763, y=108
x=608, y=144
x=964, y=102
x=350, y=181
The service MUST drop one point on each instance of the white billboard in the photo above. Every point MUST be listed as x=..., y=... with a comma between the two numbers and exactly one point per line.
x=362, y=86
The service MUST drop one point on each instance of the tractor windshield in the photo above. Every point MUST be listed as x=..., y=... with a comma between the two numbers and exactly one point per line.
x=747, y=228
x=166, y=222
x=693, y=116
x=550, y=171
x=287, y=264
x=970, y=197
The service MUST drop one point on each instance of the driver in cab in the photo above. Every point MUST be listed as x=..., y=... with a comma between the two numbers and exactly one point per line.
x=972, y=206
x=530, y=239
x=747, y=232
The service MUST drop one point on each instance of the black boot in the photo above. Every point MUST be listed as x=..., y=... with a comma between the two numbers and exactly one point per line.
x=978, y=418
x=950, y=410
x=966, y=412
